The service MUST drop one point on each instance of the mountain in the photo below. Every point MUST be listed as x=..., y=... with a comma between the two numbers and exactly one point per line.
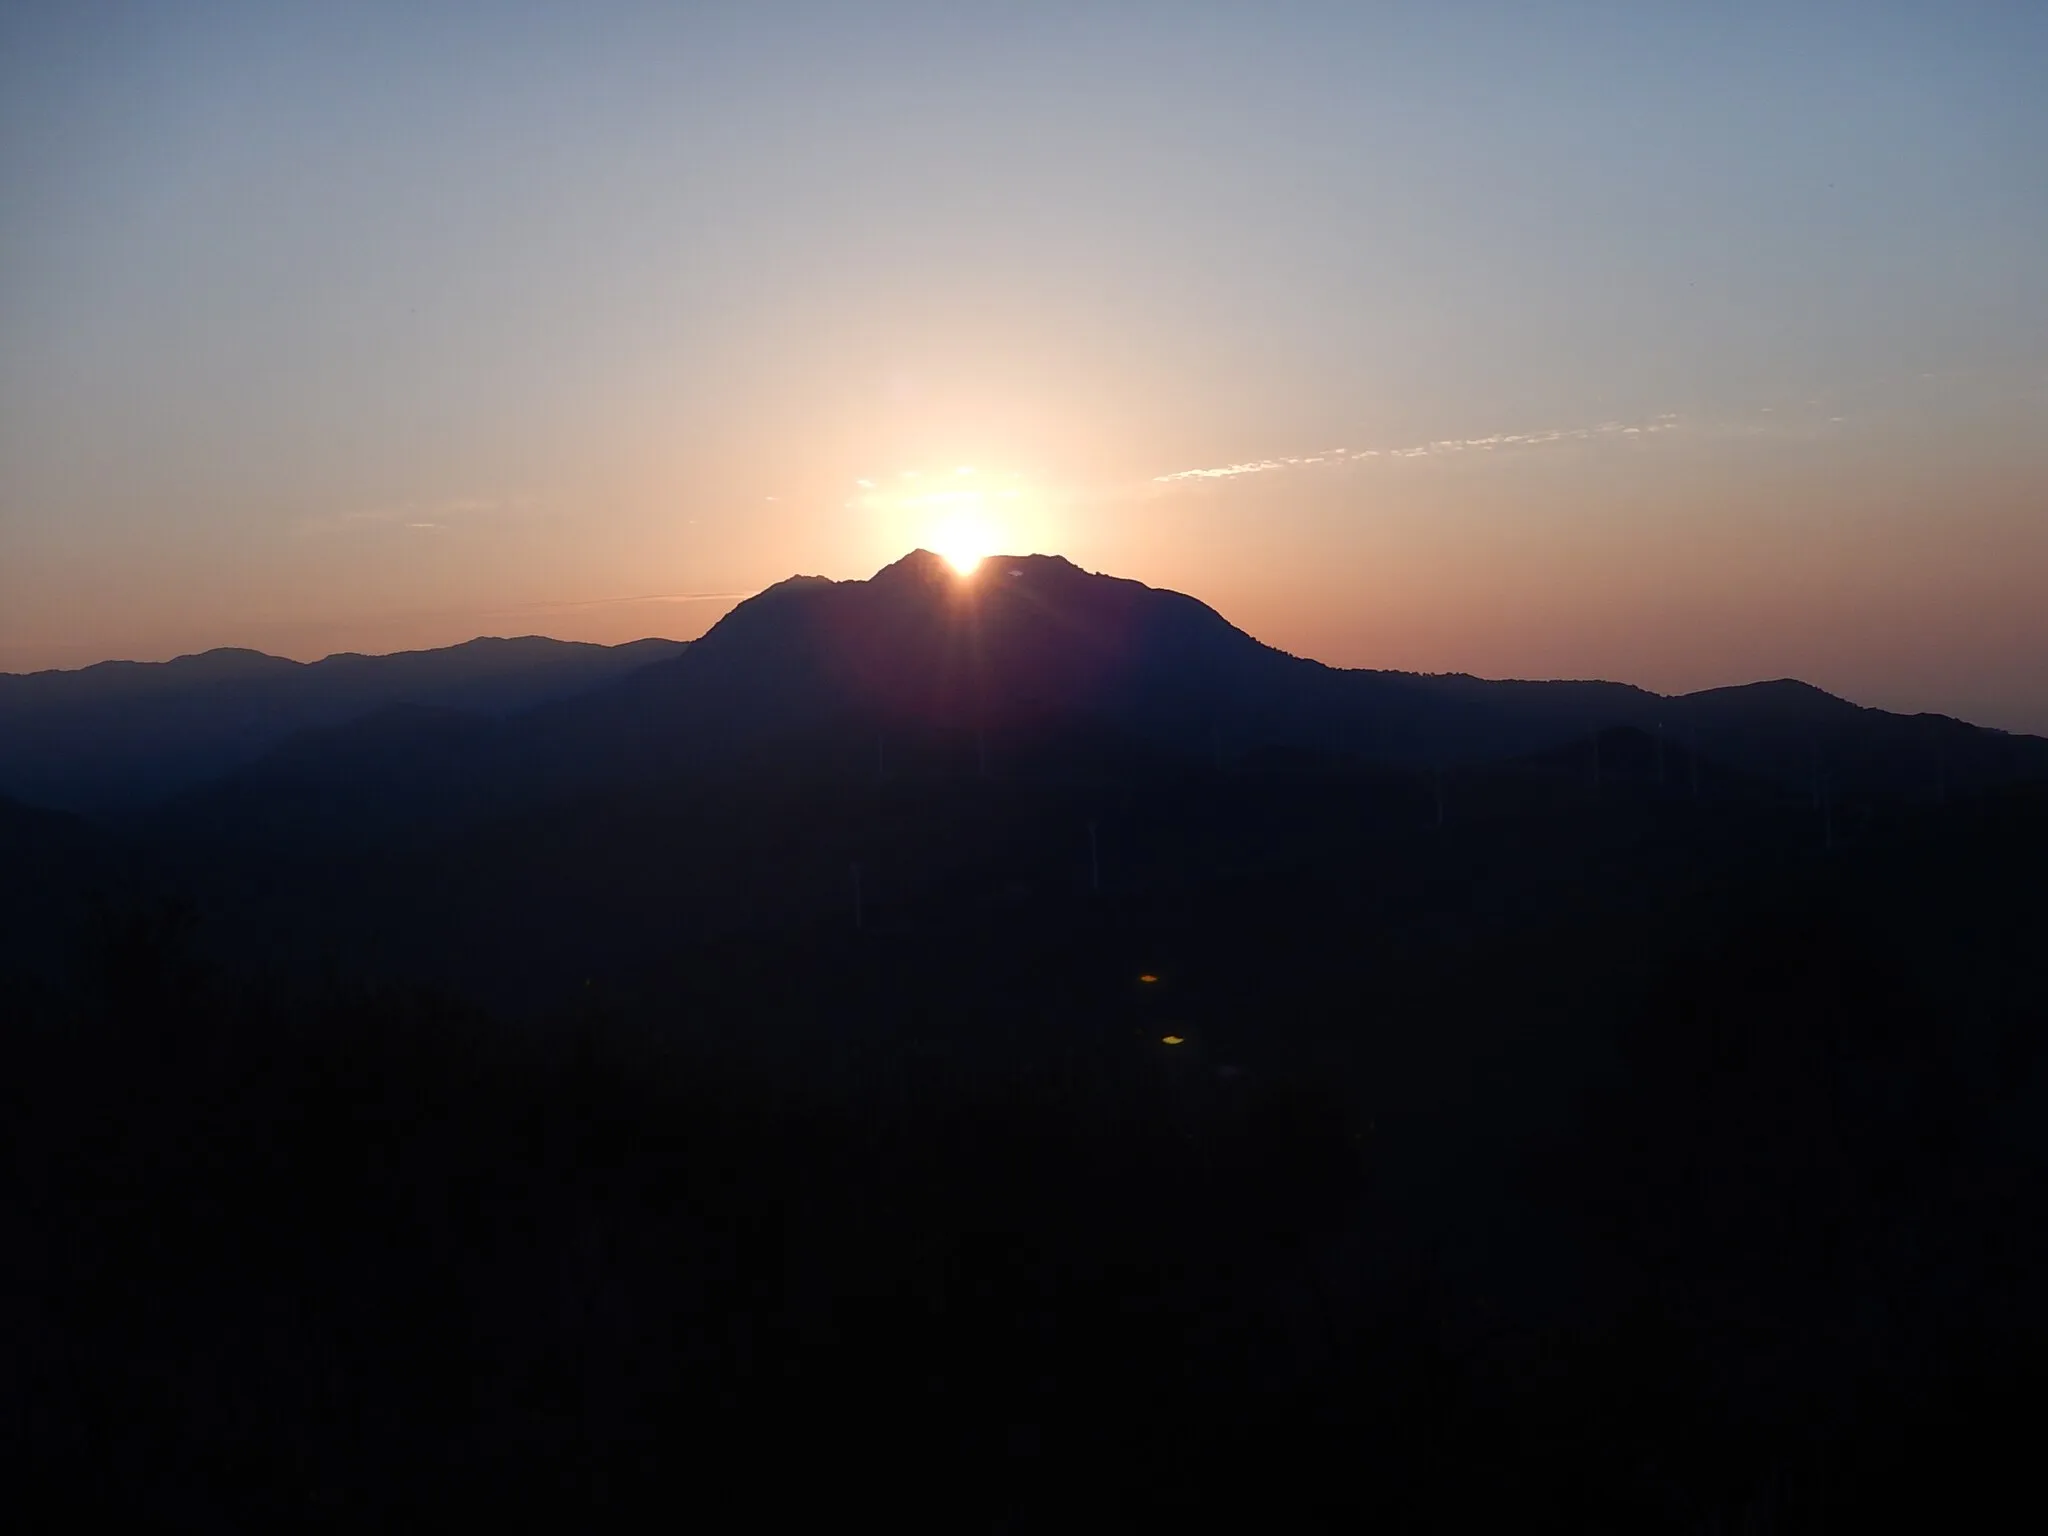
x=56, y=870
x=1800, y=735
x=955, y=738
x=123, y=733
x=1004, y=996
x=1012, y=669
x=1029, y=643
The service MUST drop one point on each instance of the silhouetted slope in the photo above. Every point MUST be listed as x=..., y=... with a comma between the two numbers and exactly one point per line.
x=1803, y=737
x=56, y=870
x=1027, y=646
x=394, y=773
x=1674, y=1171
x=1031, y=642
x=122, y=733
x=1601, y=1116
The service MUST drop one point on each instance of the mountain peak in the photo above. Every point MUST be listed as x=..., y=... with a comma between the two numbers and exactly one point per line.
x=231, y=661
x=923, y=569
x=920, y=562
x=1780, y=700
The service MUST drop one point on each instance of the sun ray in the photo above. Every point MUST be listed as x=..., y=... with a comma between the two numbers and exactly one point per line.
x=963, y=514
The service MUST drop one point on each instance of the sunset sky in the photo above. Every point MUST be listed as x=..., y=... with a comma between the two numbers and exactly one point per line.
x=1680, y=344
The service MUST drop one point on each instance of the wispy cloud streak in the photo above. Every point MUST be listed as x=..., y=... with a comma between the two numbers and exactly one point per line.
x=431, y=515
x=1439, y=448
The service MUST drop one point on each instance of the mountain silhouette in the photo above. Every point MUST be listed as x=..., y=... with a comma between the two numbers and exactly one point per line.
x=1015, y=665
x=1029, y=997
x=122, y=733
x=1028, y=669
x=1029, y=642
x=1026, y=641
x=54, y=867
x=955, y=737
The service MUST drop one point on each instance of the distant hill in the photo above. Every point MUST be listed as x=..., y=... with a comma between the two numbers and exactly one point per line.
x=124, y=733
x=1028, y=990
x=56, y=866
x=1029, y=641
x=1031, y=649
x=916, y=663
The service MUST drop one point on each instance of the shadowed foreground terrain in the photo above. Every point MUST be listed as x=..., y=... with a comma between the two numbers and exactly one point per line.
x=1016, y=1054
x=1690, y=1199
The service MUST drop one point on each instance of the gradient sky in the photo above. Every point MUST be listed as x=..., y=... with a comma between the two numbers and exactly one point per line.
x=1681, y=344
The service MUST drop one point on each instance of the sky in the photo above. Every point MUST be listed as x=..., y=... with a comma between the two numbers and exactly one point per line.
x=1678, y=344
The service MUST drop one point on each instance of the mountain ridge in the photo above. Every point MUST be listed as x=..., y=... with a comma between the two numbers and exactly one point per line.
x=1024, y=644
x=1032, y=649
x=119, y=735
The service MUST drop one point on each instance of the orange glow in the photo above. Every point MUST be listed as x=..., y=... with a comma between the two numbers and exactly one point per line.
x=962, y=559
x=962, y=531
x=1148, y=977
x=963, y=516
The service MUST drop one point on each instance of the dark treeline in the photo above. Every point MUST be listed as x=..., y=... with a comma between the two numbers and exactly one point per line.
x=1655, y=1166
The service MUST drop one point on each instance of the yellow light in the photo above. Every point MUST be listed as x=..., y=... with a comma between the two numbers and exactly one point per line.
x=1172, y=1040
x=963, y=515
x=961, y=533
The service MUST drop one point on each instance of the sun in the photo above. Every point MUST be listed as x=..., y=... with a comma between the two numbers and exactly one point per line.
x=962, y=527
x=963, y=516
x=963, y=541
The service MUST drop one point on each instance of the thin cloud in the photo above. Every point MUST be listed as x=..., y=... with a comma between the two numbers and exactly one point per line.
x=1439, y=448
x=436, y=515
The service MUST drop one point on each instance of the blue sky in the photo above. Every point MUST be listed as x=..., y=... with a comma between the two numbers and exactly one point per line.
x=357, y=327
